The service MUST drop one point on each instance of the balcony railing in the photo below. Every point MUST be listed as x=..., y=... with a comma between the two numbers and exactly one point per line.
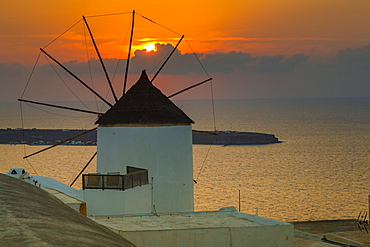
x=115, y=181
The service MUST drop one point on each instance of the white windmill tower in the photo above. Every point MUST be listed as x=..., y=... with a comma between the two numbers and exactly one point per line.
x=145, y=129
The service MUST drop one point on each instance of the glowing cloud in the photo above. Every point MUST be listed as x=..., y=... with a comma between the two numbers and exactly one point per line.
x=150, y=48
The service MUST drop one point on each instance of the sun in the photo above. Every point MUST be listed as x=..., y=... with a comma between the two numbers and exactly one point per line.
x=150, y=48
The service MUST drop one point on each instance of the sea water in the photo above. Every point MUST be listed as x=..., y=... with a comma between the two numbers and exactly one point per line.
x=319, y=171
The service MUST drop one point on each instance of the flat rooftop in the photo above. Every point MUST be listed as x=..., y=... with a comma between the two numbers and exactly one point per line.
x=176, y=221
x=226, y=227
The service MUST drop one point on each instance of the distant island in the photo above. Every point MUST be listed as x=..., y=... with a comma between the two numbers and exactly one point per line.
x=55, y=136
x=233, y=138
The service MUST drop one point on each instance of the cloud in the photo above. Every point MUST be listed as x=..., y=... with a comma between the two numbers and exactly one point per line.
x=228, y=62
x=236, y=75
x=177, y=64
x=182, y=64
x=218, y=62
x=268, y=64
x=354, y=58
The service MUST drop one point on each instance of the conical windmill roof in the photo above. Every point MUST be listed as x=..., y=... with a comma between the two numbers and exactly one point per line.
x=144, y=104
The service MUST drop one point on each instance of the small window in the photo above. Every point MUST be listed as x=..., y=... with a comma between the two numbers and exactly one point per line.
x=14, y=172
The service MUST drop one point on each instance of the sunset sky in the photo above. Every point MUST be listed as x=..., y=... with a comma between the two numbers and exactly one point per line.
x=252, y=49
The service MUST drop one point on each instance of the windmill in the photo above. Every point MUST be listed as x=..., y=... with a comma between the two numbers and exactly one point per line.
x=143, y=139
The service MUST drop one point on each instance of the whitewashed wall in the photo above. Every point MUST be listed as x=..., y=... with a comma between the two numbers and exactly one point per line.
x=115, y=202
x=166, y=152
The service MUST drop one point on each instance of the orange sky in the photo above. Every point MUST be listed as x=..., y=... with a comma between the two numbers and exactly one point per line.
x=317, y=28
x=253, y=48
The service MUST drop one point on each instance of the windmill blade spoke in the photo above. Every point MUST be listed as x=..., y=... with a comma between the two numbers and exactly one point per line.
x=101, y=60
x=83, y=169
x=164, y=63
x=78, y=79
x=359, y=215
x=61, y=107
x=129, y=52
x=186, y=89
x=42, y=150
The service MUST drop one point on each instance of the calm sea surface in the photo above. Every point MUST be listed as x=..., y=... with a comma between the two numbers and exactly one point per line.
x=320, y=171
